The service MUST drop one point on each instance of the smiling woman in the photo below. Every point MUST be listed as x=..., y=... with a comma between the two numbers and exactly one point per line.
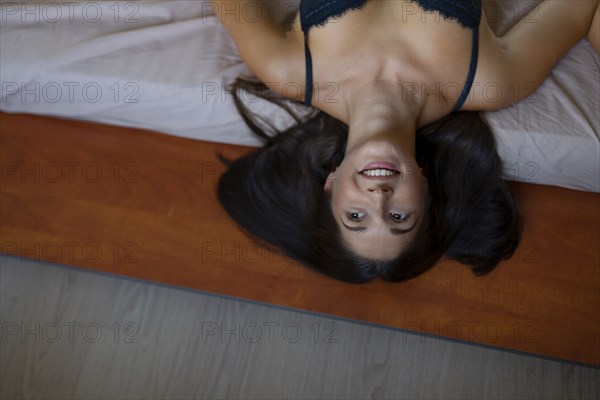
x=390, y=175
x=378, y=203
x=306, y=192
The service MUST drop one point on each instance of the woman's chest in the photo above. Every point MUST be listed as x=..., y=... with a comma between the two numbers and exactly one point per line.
x=392, y=40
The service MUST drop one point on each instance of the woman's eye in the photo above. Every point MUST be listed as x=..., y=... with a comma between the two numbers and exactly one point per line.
x=355, y=216
x=398, y=217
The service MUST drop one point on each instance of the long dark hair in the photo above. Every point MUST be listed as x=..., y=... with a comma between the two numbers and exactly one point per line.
x=276, y=194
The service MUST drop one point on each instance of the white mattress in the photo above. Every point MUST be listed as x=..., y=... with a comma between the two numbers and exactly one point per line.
x=164, y=66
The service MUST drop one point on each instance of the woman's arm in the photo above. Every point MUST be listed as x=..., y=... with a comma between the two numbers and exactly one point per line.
x=271, y=53
x=522, y=59
x=594, y=33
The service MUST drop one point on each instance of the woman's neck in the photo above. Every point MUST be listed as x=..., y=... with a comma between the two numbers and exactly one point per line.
x=384, y=110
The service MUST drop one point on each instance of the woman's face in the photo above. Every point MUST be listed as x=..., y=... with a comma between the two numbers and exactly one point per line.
x=378, y=199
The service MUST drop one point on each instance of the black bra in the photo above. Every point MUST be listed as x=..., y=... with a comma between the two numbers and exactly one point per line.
x=465, y=12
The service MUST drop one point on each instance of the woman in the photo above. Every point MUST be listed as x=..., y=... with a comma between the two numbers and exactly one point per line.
x=392, y=174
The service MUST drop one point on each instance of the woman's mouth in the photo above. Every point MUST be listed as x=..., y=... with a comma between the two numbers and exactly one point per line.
x=381, y=165
x=379, y=172
x=380, y=169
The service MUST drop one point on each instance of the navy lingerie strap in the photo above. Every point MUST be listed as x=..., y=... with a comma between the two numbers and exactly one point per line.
x=309, y=77
x=472, y=69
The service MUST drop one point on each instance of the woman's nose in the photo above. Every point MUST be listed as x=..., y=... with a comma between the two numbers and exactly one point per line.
x=380, y=189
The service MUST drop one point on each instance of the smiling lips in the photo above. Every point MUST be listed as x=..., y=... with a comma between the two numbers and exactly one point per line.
x=380, y=171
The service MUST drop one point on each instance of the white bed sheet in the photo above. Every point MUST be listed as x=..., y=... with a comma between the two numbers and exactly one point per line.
x=165, y=65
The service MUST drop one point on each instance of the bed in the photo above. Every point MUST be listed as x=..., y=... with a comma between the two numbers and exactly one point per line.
x=140, y=90
x=165, y=66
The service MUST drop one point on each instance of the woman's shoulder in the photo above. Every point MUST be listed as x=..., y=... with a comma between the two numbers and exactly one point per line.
x=274, y=54
x=284, y=72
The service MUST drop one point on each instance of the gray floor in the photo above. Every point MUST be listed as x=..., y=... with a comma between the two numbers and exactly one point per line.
x=80, y=335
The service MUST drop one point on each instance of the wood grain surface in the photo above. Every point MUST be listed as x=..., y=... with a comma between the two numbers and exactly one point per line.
x=72, y=334
x=143, y=204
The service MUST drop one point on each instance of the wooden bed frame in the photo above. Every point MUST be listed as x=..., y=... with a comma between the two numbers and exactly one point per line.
x=143, y=205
